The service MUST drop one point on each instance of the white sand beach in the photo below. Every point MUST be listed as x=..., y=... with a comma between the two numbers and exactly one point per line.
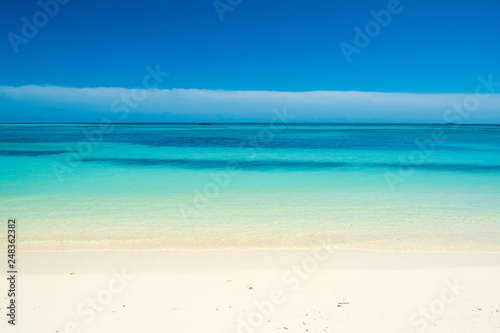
x=256, y=291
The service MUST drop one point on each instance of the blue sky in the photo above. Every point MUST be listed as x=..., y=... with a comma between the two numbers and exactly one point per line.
x=428, y=47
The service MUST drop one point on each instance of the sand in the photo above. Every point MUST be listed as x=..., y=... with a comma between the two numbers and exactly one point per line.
x=280, y=290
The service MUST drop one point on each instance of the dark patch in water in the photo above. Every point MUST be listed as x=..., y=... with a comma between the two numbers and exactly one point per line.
x=31, y=152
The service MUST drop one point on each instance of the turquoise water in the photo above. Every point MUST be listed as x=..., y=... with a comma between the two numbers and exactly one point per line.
x=399, y=187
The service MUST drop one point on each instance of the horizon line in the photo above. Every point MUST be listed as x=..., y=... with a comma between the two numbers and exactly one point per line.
x=201, y=123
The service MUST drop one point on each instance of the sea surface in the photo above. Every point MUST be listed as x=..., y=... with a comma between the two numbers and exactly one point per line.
x=192, y=186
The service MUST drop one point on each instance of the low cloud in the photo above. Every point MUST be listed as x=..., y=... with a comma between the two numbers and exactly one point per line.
x=63, y=104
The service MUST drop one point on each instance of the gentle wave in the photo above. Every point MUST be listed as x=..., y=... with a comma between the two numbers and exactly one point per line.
x=267, y=164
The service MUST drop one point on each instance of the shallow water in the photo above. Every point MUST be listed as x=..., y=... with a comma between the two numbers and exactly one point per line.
x=252, y=185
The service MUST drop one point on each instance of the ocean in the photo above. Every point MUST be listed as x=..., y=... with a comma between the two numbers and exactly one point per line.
x=204, y=186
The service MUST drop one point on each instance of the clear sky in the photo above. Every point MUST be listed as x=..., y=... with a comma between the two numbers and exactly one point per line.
x=425, y=47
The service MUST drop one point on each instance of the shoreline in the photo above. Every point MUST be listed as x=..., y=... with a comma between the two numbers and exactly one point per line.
x=179, y=250
x=258, y=248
